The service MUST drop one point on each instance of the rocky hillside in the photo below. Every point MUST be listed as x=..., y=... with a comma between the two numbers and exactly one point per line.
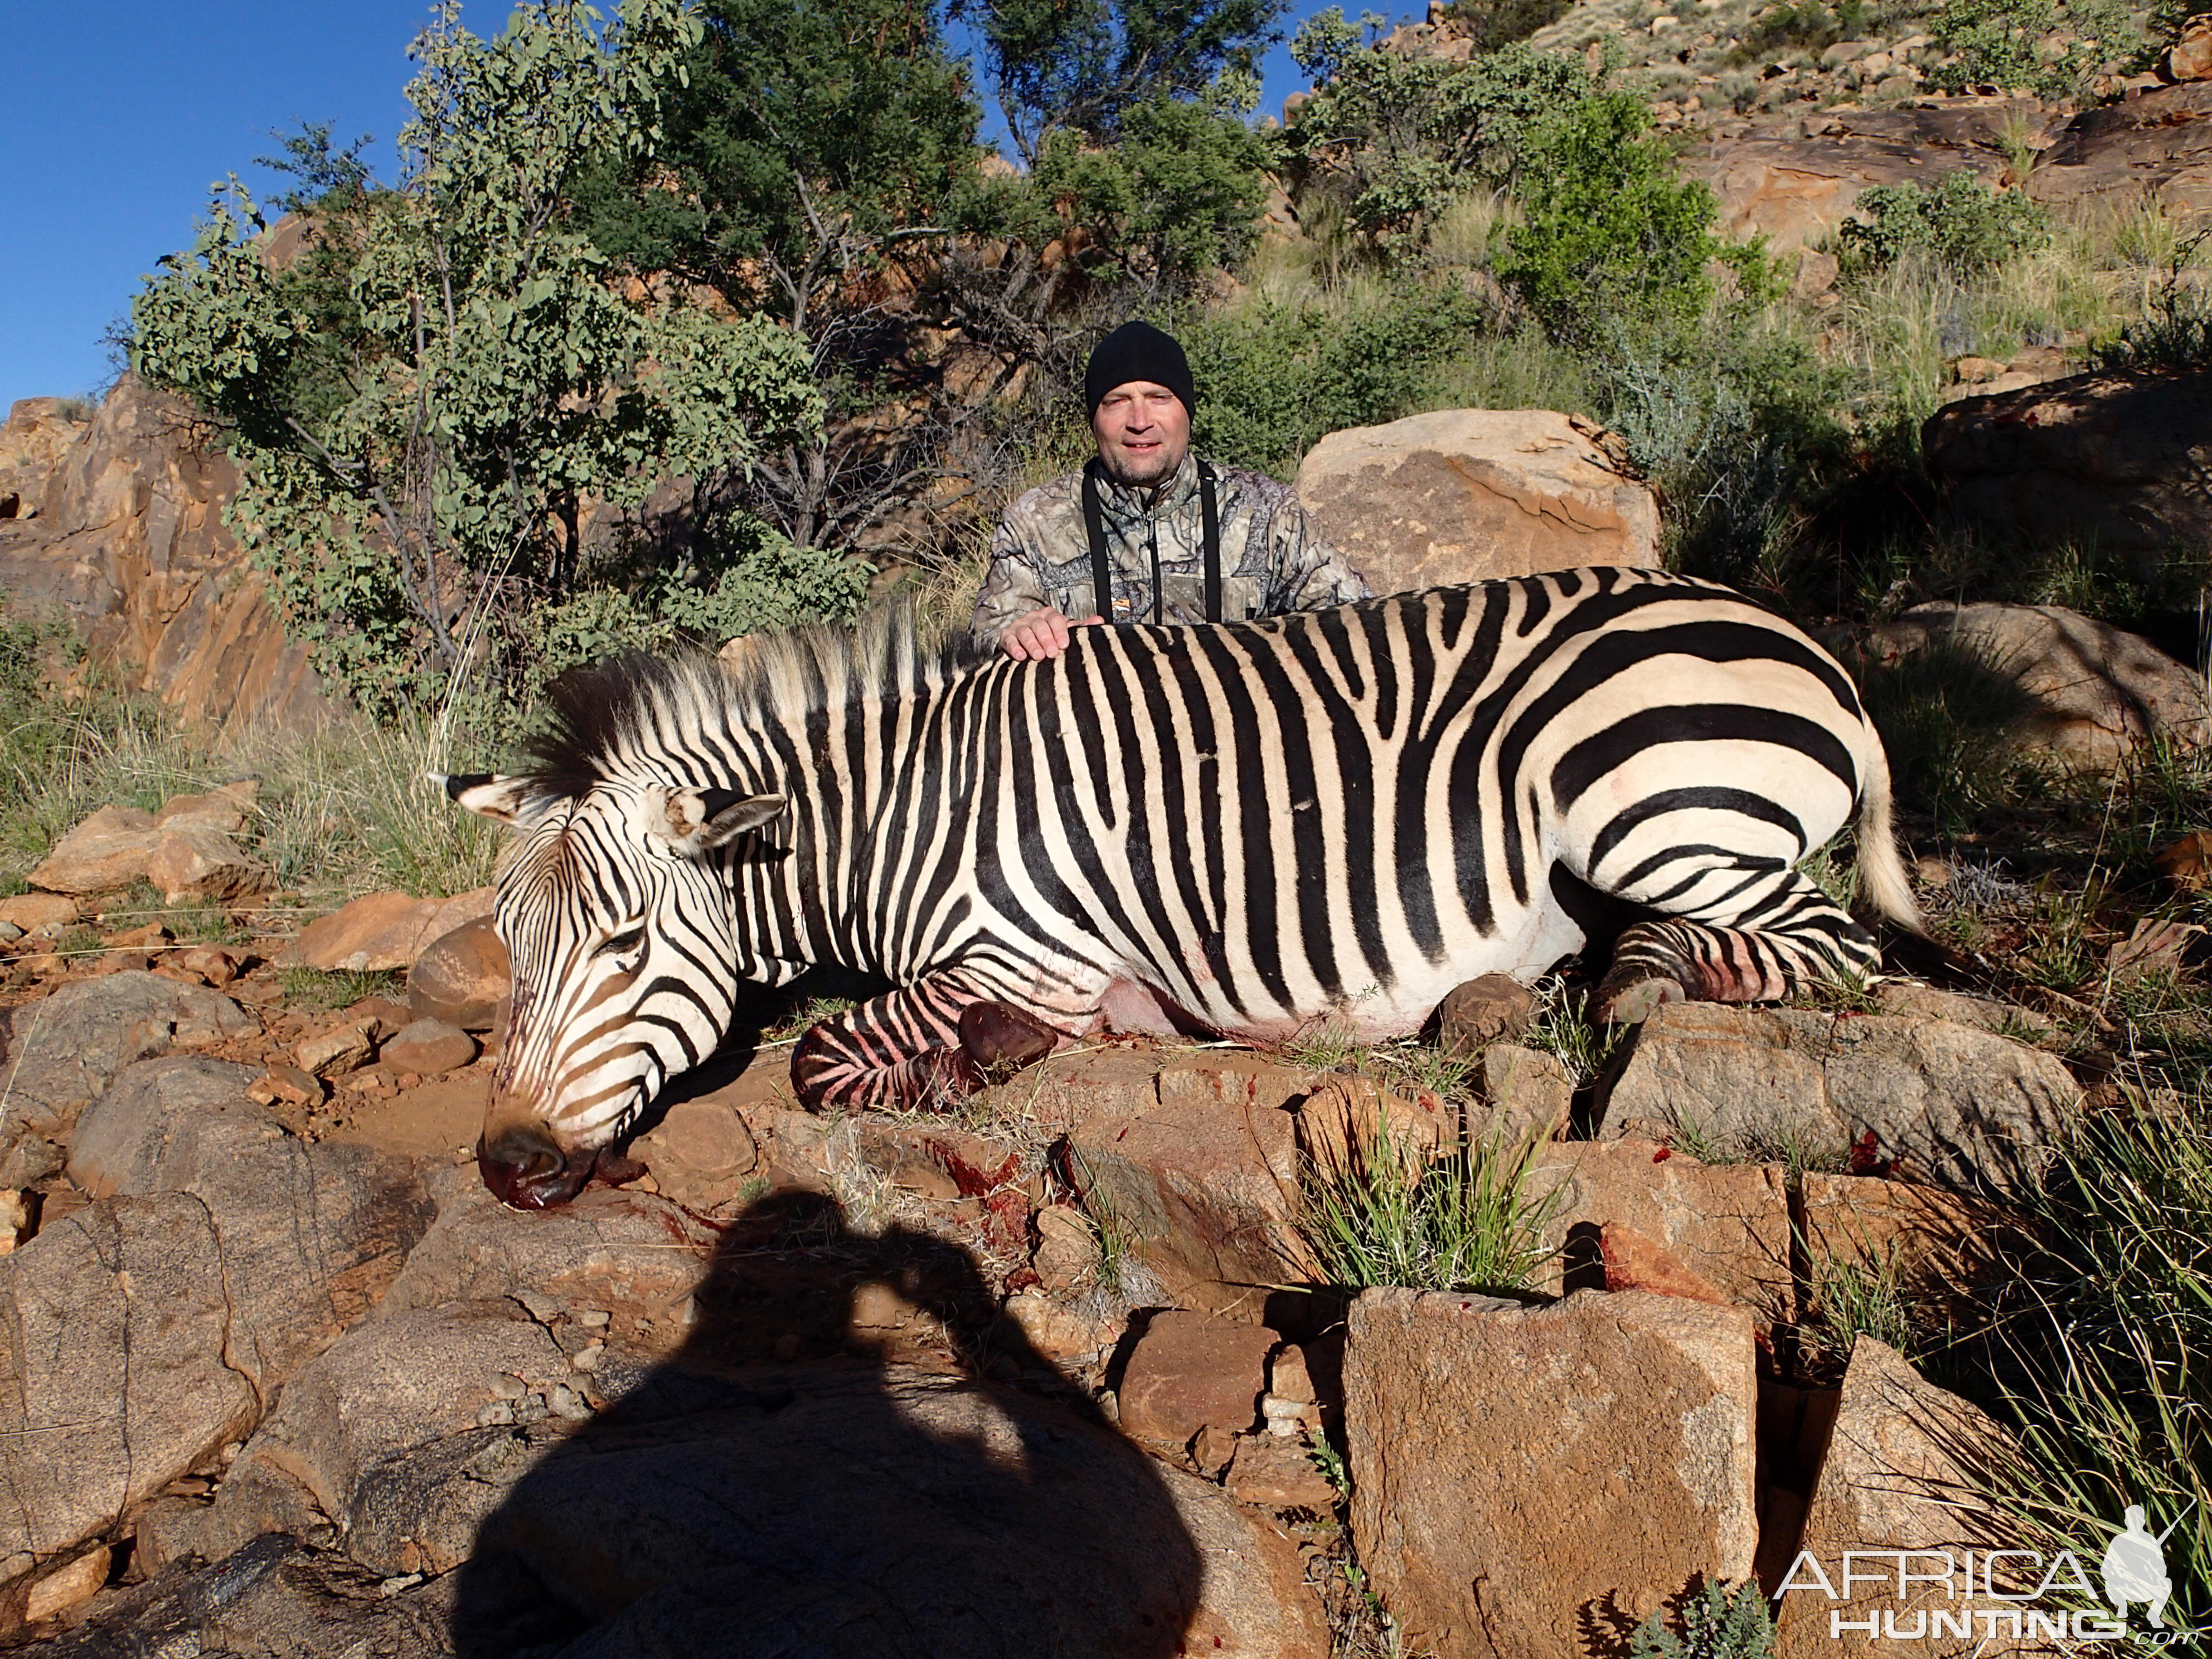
x=114, y=518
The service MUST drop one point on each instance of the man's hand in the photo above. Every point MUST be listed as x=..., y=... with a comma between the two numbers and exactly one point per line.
x=1041, y=635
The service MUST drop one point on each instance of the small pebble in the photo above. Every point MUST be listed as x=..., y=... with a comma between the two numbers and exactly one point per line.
x=565, y=1402
x=593, y=1319
x=588, y=1357
x=504, y=1387
x=540, y=1306
x=493, y=1412
x=405, y=1581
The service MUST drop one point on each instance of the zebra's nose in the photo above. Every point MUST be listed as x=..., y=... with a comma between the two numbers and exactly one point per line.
x=526, y=1171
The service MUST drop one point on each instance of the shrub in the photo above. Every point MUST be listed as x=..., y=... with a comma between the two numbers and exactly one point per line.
x=1496, y=24
x=1963, y=227
x=1609, y=235
x=2000, y=43
x=1718, y=1623
x=1279, y=376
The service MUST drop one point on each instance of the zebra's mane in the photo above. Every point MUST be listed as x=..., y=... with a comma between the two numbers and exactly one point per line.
x=613, y=719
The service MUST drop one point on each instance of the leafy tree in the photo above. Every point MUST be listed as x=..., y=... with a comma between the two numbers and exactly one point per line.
x=2001, y=43
x=1401, y=138
x=809, y=157
x=426, y=402
x=1609, y=234
x=1080, y=65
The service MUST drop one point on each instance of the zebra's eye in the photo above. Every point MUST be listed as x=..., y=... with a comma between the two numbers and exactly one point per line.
x=623, y=942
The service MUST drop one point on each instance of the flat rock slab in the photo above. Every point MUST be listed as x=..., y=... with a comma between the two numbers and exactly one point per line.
x=853, y=1510
x=1191, y=1371
x=113, y=1329
x=1534, y=1482
x=616, y=1250
x=1938, y=1101
x=64, y=1050
x=309, y=1234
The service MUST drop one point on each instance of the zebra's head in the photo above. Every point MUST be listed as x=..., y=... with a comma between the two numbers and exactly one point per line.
x=626, y=962
x=618, y=904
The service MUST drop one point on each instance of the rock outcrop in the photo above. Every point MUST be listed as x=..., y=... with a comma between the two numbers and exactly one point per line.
x=1468, y=495
x=2089, y=692
x=129, y=542
x=2118, y=460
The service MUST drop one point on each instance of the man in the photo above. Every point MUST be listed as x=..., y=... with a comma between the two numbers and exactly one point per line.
x=1165, y=535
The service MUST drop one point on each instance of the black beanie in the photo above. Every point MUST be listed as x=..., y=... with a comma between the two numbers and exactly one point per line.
x=1138, y=351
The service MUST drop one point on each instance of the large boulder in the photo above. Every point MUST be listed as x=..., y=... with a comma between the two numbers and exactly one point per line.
x=1524, y=1478
x=1468, y=495
x=64, y=1050
x=309, y=1234
x=1934, y=1100
x=1795, y=186
x=1908, y=1468
x=2150, y=146
x=462, y=977
x=114, y=1379
x=2088, y=692
x=129, y=542
x=2115, y=459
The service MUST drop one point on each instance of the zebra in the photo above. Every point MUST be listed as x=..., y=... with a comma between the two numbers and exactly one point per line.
x=1244, y=829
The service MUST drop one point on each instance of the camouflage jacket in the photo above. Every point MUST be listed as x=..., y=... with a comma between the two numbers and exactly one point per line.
x=1273, y=556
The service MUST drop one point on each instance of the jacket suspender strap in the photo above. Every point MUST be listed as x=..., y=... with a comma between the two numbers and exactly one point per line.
x=1094, y=521
x=1210, y=521
x=1102, y=568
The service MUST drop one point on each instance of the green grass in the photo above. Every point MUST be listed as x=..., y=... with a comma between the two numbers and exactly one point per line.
x=1462, y=1221
x=311, y=987
x=1856, y=1297
x=2097, y=1348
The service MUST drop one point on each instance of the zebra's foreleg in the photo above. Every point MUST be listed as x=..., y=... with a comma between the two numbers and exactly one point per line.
x=1757, y=944
x=929, y=1044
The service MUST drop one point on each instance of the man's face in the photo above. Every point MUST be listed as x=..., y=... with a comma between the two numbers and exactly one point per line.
x=1143, y=432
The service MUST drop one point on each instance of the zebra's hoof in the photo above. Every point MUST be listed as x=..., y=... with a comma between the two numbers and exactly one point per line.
x=1632, y=1005
x=1000, y=1039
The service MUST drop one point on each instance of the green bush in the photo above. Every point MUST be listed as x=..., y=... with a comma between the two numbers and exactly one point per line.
x=1962, y=227
x=2000, y=43
x=1610, y=236
x=1718, y=1623
x=1278, y=377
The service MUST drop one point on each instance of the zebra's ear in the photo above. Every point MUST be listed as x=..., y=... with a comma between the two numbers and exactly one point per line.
x=700, y=820
x=505, y=799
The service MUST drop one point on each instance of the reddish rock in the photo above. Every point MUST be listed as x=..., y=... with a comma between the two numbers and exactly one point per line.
x=1469, y=494
x=291, y=1083
x=1191, y=1371
x=130, y=543
x=1275, y=1473
x=329, y=1054
x=700, y=1153
x=383, y=931
x=1633, y=1262
x=39, y=912
x=1197, y=1166
x=214, y=964
x=106, y=852
x=202, y=864
x=1519, y=1471
x=1528, y=1097
x=427, y=1047
x=462, y=977
x=1728, y=1223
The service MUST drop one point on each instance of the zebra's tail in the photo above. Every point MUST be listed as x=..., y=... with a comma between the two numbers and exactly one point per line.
x=1884, y=886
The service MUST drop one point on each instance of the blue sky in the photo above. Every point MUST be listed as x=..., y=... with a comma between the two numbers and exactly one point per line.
x=118, y=114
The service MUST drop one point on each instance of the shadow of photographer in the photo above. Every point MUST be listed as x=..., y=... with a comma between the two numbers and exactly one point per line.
x=805, y=1477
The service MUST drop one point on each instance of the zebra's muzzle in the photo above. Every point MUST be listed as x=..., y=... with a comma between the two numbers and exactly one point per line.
x=526, y=1170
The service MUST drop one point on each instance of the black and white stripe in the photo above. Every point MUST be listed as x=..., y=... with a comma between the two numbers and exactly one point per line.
x=1250, y=829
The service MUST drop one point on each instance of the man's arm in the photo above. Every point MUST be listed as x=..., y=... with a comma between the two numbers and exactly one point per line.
x=1013, y=611
x=1310, y=575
